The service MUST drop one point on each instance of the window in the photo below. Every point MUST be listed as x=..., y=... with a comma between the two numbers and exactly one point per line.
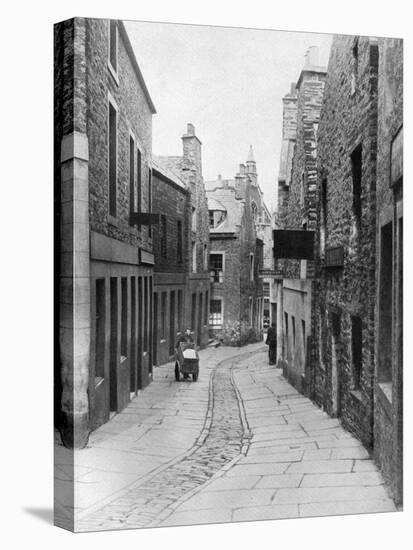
x=193, y=257
x=139, y=182
x=113, y=46
x=384, y=357
x=323, y=224
x=303, y=336
x=303, y=263
x=163, y=315
x=216, y=217
x=356, y=348
x=251, y=267
x=193, y=219
x=163, y=236
x=216, y=267
x=179, y=241
x=293, y=324
x=254, y=211
x=113, y=145
x=356, y=167
x=250, y=310
x=215, y=313
x=205, y=257
x=132, y=206
x=302, y=189
x=150, y=199
x=286, y=334
x=355, y=63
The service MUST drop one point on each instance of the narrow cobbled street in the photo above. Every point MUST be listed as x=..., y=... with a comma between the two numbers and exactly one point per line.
x=239, y=444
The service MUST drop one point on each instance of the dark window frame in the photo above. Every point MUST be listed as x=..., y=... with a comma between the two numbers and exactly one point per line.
x=112, y=156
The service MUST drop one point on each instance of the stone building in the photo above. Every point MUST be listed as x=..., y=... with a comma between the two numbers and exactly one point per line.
x=239, y=223
x=388, y=389
x=351, y=196
x=181, y=248
x=346, y=293
x=292, y=288
x=104, y=258
x=172, y=201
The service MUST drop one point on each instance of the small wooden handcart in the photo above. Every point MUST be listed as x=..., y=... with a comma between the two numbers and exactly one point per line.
x=186, y=363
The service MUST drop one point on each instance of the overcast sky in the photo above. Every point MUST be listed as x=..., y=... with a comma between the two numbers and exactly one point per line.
x=229, y=83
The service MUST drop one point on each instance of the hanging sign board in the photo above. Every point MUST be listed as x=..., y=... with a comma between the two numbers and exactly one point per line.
x=293, y=244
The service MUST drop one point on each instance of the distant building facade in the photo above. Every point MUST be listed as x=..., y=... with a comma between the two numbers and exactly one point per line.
x=182, y=286
x=239, y=224
x=104, y=260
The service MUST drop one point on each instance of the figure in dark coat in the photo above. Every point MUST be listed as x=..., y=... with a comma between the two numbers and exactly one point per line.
x=184, y=337
x=272, y=344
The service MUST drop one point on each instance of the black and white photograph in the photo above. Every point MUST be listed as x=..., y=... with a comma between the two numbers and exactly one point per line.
x=229, y=302
x=205, y=280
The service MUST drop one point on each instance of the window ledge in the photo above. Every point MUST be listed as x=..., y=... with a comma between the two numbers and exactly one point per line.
x=386, y=388
x=113, y=221
x=113, y=73
x=356, y=394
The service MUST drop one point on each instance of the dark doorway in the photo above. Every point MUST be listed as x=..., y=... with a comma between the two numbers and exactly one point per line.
x=100, y=331
x=113, y=381
x=140, y=333
x=155, y=328
x=335, y=363
x=172, y=323
x=193, y=313
x=199, y=325
x=150, y=328
x=133, y=339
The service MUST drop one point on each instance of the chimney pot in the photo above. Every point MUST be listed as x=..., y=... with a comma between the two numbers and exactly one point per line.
x=190, y=129
x=292, y=88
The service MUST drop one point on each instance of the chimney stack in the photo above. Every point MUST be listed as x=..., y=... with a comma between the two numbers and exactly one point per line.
x=190, y=130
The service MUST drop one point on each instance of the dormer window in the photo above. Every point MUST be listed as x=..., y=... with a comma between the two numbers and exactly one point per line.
x=216, y=217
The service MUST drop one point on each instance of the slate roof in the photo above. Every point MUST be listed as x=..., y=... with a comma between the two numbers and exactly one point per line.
x=225, y=198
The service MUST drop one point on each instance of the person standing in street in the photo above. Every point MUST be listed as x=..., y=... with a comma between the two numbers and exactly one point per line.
x=272, y=344
x=184, y=337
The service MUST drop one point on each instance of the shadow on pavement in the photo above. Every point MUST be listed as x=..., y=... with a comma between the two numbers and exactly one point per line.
x=44, y=514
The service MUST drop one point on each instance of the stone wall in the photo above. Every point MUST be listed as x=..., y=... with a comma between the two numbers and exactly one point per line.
x=348, y=119
x=135, y=115
x=173, y=202
x=388, y=415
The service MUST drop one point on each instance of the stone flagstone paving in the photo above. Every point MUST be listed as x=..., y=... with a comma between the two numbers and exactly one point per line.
x=249, y=447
